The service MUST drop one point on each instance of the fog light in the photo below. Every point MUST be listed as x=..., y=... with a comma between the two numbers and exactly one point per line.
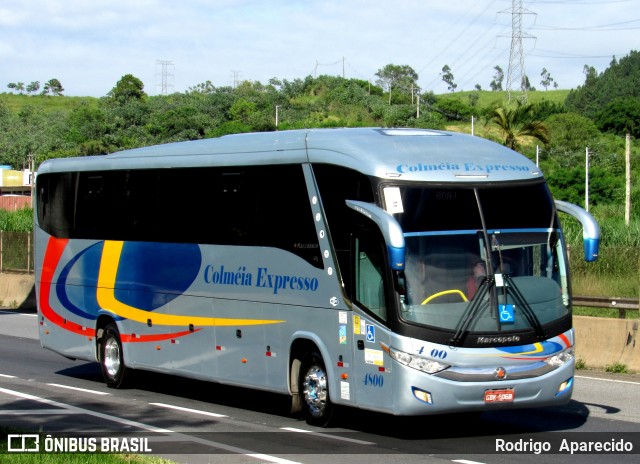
x=564, y=386
x=422, y=395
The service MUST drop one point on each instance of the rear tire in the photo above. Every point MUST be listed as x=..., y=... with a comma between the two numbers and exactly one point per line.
x=314, y=390
x=114, y=370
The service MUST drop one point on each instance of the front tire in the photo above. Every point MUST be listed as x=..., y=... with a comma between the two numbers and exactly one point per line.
x=114, y=370
x=314, y=388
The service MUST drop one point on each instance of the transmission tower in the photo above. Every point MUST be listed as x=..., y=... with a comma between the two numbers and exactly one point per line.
x=516, y=73
x=236, y=78
x=165, y=76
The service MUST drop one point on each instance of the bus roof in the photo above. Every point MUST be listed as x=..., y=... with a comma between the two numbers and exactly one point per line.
x=401, y=154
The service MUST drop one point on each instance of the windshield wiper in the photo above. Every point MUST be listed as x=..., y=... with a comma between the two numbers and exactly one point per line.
x=526, y=309
x=471, y=313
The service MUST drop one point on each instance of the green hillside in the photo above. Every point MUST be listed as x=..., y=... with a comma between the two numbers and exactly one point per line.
x=45, y=102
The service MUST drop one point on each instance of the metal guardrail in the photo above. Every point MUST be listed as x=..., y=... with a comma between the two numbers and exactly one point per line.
x=621, y=304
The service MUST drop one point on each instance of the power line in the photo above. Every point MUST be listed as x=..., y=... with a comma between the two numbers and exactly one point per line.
x=597, y=28
x=554, y=54
x=342, y=60
x=474, y=55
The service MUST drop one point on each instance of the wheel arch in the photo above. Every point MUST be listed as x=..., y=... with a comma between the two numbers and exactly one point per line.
x=101, y=323
x=303, y=343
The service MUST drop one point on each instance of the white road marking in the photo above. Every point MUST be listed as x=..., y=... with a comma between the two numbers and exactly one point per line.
x=325, y=435
x=95, y=392
x=195, y=411
x=607, y=380
x=177, y=436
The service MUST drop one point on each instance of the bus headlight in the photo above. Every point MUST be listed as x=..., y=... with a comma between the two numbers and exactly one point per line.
x=417, y=362
x=561, y=358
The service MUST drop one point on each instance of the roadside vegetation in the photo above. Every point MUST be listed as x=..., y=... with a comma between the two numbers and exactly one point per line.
x=552, y=127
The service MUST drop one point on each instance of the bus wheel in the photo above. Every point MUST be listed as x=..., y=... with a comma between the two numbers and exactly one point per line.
x=114, y=370
x=314, y=387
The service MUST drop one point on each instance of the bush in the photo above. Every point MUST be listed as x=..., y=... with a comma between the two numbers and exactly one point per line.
x=17, y=221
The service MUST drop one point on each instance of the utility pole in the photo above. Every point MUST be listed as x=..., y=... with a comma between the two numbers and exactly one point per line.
x=586, y=180
x=627, y=165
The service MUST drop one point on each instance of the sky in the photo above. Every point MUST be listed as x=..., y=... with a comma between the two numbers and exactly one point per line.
x=172, y=46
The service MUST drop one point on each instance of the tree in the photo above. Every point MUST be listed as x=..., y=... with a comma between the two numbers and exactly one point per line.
x=546, y=79
x=517, y=123
x=569, y=134
x=30, y=132
x=394, y=76
x=203, y=87
x=473, y=98
x=242, y=110
x=33, y=87
x=620, y=117
x=18, y=86
x=526, y=84
x=447, y=77
x=620, y=80
x=53, y=86
x=498, y=77
x=127, y=88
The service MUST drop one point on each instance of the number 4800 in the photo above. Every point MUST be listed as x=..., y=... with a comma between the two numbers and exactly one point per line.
x=374, y=380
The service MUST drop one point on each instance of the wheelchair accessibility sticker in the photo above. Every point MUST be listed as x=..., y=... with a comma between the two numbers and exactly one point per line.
x=371, y=333
x=506, y=313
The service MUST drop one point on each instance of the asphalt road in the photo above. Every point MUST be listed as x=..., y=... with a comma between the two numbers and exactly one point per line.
x=197, y=422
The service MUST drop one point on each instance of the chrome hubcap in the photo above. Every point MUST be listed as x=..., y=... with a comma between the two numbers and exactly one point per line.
x=314, y=389
x=112, y=357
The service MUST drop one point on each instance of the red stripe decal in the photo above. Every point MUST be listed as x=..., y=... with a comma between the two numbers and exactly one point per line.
x=53, y=253
x=133, y=338
x=55, y=248
x=566, y=341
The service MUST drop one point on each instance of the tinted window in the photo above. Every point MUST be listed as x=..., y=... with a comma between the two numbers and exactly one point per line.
x=250, y=206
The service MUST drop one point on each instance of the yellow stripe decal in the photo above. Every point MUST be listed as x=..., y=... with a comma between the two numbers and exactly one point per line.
x=107, y=300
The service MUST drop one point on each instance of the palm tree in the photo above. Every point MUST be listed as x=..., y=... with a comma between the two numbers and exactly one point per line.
x=517, y=123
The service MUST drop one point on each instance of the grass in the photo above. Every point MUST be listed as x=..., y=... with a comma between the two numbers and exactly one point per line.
x=16, y=102
x=488, y=98
x=604, y=312
x=616, y=368
x=81, y=458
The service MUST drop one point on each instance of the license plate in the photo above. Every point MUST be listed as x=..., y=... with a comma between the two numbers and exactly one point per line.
x=499, y=396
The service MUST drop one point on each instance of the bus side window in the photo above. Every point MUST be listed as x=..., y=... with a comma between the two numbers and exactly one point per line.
x=56, y=203
x=369, y=281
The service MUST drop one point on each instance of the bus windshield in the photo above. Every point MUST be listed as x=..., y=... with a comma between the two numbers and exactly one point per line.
x=480, y=261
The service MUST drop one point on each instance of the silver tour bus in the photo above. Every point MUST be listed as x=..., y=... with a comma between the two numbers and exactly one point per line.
x=405, y=271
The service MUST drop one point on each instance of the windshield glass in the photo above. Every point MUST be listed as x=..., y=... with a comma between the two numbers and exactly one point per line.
x=482, y=260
